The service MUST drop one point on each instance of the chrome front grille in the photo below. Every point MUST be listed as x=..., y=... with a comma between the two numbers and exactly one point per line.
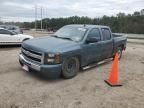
x=32, y=55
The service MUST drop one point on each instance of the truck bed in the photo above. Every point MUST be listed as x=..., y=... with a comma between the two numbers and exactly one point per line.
x=118, y=41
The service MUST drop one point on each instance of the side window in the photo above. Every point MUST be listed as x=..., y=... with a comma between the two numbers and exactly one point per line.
x=95, y=33
x=4, y=31
x=106, y=34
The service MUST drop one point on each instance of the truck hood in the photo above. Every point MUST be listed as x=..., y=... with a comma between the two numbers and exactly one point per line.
x=49, y=44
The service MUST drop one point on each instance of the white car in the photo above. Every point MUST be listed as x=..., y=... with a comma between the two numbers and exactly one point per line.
x=10, y=38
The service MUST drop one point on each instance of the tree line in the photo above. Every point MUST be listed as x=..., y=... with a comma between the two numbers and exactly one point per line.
x=121, y=23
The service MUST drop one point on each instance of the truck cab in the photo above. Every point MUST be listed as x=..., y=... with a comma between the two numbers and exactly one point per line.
x=99, y=44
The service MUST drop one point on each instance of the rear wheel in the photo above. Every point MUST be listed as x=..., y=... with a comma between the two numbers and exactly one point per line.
x=70, y=67
x=119, y=51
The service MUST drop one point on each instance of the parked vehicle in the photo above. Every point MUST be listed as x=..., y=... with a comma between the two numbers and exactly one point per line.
x=11, y=38
x=12, y=28
x=72, y=47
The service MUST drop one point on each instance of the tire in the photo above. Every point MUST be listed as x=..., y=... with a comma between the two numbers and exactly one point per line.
x=119, y=50
x=70, y=67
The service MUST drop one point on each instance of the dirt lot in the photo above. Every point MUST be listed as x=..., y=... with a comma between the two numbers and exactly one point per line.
x=20, y=89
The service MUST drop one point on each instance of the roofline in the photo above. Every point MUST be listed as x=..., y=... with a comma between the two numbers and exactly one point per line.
x=89, y=25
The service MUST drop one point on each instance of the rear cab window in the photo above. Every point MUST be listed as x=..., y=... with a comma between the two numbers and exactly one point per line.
x=106, y=34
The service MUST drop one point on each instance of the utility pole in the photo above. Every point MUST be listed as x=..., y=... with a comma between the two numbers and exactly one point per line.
x=35, y=17
x=0, y=20
x=41, y=20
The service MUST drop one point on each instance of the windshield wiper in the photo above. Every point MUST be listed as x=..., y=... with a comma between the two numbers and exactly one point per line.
x=65, y=38
x=62, y=37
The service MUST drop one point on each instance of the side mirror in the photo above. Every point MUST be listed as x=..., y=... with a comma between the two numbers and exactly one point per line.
x=91, y=40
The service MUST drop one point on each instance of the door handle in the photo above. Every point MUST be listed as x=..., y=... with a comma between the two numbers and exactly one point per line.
x=91, y=43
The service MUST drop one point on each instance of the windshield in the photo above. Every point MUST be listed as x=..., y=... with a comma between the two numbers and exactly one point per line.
x=73, y=33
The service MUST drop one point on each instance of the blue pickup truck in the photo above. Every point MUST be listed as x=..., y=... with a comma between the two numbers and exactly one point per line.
x=71, y=48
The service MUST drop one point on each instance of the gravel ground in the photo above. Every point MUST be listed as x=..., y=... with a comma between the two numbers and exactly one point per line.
x=20, y=89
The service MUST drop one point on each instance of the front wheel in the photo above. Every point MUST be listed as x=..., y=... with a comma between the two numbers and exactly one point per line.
x=70, y=67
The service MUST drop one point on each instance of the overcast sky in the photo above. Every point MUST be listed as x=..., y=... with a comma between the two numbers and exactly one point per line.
x=24, y=9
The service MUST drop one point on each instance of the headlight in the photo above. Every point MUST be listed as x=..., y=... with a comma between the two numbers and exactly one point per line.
x=53, y=58
x=51, y=55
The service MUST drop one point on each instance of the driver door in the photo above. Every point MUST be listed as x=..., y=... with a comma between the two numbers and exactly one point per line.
x=93, y=50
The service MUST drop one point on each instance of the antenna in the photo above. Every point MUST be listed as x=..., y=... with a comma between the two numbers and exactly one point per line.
x=35, y=17
x=41, y=18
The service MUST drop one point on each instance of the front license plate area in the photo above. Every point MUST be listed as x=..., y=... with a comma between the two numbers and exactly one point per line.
x=26, y=68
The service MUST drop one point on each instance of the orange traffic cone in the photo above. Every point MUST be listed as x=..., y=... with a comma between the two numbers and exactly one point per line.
x=113, y=78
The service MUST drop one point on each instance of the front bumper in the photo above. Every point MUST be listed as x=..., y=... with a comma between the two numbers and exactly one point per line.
x=50, y=71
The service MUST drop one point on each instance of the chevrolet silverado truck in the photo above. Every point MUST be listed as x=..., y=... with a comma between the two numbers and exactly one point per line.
x=69, y=49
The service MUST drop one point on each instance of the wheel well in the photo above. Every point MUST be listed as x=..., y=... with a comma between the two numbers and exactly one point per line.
x=79, y=58
x=122, y=46
x=26, y=39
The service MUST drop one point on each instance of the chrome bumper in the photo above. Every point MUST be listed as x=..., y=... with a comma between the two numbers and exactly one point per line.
x=29, y=63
